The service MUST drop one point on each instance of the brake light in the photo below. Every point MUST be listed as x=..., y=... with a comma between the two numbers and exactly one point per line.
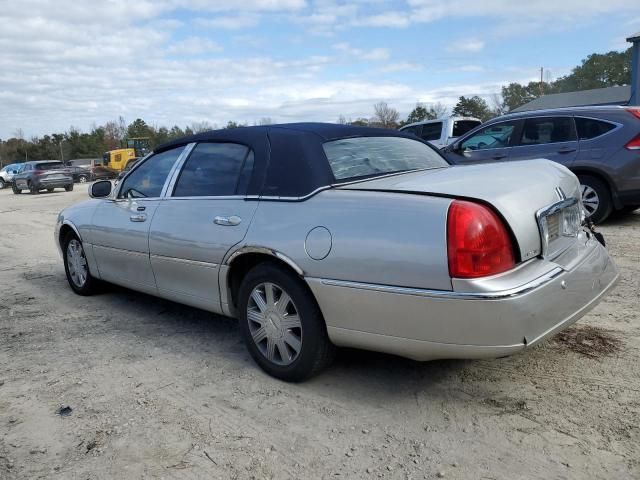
x=478, y=243
x=635, y=112
x=633, y=144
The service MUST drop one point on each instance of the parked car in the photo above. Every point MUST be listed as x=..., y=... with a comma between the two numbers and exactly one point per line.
x=83, y=175
x=443, y=131
x=601, y=145
x=130, y=164
x=6, y=174
x=319, y=235
x=42, y=175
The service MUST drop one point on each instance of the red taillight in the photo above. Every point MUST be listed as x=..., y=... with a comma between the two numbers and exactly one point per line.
x=633, y=144
x=634, y=111
x=478, y=243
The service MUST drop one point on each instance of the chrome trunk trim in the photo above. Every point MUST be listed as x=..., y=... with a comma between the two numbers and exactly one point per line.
x=446, y=294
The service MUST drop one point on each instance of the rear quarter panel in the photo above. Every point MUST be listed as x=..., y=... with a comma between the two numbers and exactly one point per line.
x=381, y=238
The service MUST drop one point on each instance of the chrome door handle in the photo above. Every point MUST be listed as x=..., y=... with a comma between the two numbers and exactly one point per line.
x=567, y=150
x=230, y=221
x=138, y=218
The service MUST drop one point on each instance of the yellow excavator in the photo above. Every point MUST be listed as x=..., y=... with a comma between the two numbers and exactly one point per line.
x=132, y=149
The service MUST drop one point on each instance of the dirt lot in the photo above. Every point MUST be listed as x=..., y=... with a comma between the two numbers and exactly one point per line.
x=158, y=390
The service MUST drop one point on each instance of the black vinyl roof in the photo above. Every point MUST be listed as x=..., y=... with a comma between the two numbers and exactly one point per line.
x=289, y=160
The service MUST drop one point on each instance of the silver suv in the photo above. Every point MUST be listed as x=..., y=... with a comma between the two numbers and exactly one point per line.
x=601, y=145
x=7, y=173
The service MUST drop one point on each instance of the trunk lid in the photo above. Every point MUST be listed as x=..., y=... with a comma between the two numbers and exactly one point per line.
x=516, y=190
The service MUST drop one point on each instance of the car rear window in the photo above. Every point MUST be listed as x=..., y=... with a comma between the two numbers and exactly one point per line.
x=360, y=157
x=589, y=128
x=460, y=127
x=431, y=131
x=48, y=166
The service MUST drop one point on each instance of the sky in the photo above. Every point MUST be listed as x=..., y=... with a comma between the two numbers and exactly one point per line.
x=80, y=63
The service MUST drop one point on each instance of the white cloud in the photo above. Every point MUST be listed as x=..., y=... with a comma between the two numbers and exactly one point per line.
x=193, y=46
x=400, y=67
x=469, y=45
x=375, y=54
x=235, y=22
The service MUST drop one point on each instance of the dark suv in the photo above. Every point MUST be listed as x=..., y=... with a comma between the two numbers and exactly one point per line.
x=601, y=145
x=42, y=175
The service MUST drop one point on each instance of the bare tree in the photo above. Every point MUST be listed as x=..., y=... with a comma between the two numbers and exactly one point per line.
x=199, y=127
x=438, y=110
x=498, y=105
x=342, y=120
x=385, y=116
x=265, y=121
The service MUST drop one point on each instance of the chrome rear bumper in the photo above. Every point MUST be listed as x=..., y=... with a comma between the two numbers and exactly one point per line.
x=485, y=318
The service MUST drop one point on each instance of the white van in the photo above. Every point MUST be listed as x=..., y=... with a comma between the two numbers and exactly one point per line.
x=442, y=131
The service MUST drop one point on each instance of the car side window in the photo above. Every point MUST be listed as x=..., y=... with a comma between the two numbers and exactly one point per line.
x=494, y=136
x=538, y=131
x=215, y=169
x=431, y=131
x=410, y=130
x=147, y=180
x=589, y=128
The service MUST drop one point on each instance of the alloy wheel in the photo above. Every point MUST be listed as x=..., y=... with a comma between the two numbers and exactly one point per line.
x=82, y=179
x=590, y=199
x=274, y=324
x=77, y=263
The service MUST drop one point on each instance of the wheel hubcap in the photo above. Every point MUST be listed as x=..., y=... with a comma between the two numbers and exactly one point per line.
x=77, y=263
x=83, y=180
x=274, y=324
x=590, y=199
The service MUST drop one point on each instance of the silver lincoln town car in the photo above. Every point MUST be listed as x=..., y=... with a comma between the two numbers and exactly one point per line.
x=318, y=235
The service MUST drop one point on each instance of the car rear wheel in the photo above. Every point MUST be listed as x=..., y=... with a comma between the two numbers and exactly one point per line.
x=69, y=188
x=596, y=198
x=82, y=179
x=50, y=190
x=2, y=184
x=15, y=189
x=76, y=266
x=282, y=325
x=33, y=189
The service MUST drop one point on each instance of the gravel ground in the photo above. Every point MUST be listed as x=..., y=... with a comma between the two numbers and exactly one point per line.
x=159, y=390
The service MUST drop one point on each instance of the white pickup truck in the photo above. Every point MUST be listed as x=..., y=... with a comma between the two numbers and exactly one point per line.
x=442, y=131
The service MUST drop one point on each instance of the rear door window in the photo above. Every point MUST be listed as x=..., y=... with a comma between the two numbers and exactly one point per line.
x=589, y=128
x=431, y=131
x=411, y=130
x=214, y=170
x=542, y=130
x=48, y=166
x=461, y=127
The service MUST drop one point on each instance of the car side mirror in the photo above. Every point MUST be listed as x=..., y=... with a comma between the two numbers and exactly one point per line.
x=100, y=189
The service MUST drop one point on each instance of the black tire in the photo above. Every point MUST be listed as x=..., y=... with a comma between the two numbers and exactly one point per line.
x=316, y=350
x=69, y=188
x=605, y=206
x=50, y=190
x=83, y=179
x=15, y=189
x=91, y=284
x=2, y=183
x=33, y=189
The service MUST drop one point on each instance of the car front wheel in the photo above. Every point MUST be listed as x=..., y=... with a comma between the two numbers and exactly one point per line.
x=2, y=184
x=15, y=189
x=69, y=187
x=282, y=325
x=76, y=266
x=82, y=179
x=596, y=198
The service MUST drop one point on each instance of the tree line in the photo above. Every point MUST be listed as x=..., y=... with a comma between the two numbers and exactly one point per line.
x=596, y=71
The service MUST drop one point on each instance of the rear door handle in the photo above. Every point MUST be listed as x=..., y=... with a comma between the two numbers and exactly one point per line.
x=230, y=221
x=499, y=156
x=141, y=217
x=567, y=150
